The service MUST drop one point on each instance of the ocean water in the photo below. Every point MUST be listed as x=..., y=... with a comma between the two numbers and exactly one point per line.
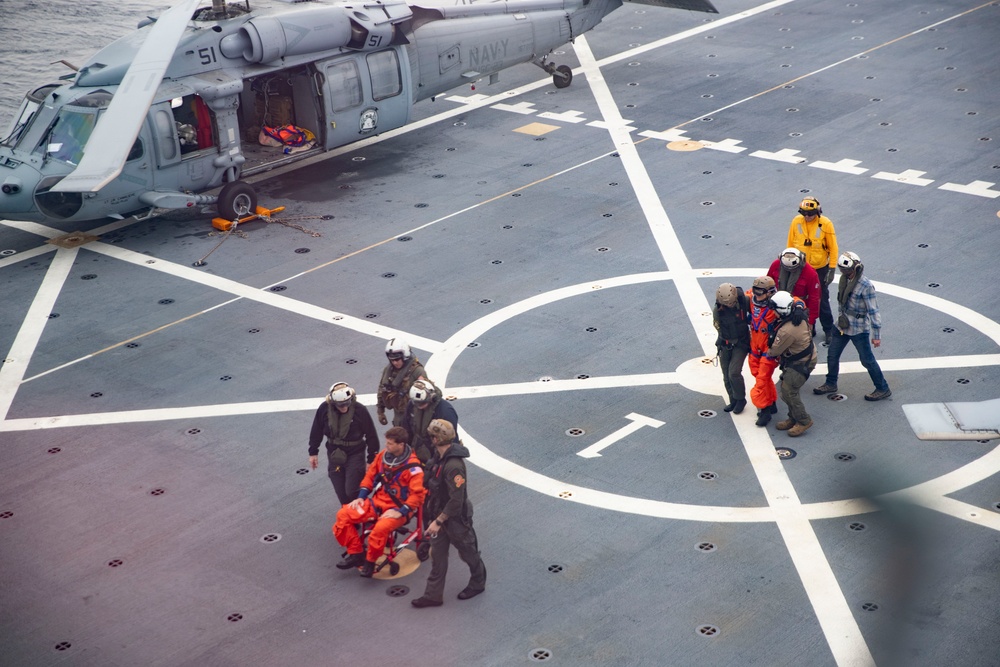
x=35, y=34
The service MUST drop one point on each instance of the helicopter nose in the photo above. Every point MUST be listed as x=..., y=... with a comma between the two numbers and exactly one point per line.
x=17, y=184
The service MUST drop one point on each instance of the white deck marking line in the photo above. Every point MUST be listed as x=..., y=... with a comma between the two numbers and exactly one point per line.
x=480, y=391
x=726, y=145
x=713, y=24
x=844, y=166
x=118, y=224
x=638, y=421
x=555, y=386
x=781, y=85
x=964, y=511
x=978, y=188
x=128, y=340
x=789, y=155
x=843, y=635
x=439, y=366
x=170, y=414
x=523, y=108
x=568, y=116
x=659, y=223
x=27, y=254
x=33, y=228
x=828, y=601
x=21, y=350
x=910, y=176
x=260, y=296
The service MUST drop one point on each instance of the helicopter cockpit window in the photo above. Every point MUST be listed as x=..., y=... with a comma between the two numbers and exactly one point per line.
x=69, y=135
x=21, y=123
x=193, y=120
x=26, y=114
x=386, y=80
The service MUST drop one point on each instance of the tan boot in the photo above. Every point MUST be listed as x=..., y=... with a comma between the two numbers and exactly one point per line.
x=785, y=424
x=799, y=429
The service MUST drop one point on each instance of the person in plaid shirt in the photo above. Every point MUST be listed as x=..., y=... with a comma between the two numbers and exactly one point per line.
x=859, y=316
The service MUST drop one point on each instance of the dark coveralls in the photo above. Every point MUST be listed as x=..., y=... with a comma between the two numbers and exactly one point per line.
x=733, y=344
x=346, y=458
x=446, y=483
x=394, y=388
x=417, y=420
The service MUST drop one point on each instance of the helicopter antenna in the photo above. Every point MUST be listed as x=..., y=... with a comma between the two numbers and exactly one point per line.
x=67, y=64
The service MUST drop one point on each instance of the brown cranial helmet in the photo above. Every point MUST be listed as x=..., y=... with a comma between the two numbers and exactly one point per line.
x=441, y=429
x=763, y=287
x=726, y=295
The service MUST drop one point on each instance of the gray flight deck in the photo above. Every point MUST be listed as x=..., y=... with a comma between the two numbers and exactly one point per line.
x=552, y=255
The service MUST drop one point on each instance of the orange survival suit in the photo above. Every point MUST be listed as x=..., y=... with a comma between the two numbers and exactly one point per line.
x=762, y=320
x=401, y=488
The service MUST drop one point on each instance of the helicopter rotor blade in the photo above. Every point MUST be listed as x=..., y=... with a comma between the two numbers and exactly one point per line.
x=119, y=125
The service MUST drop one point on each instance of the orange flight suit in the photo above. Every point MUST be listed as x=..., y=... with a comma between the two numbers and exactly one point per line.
x=406, y=483
x=761, y=319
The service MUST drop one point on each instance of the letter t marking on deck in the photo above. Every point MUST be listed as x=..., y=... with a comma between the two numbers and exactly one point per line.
x=638, y=421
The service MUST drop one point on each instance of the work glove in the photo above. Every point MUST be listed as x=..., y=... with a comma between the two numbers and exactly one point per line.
x=381, y=418
x=829, y=277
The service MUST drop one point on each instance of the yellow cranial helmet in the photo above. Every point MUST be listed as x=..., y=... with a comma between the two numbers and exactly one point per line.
x=810, y=206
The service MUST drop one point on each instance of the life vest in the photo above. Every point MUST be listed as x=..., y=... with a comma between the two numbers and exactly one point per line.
x=289, y=135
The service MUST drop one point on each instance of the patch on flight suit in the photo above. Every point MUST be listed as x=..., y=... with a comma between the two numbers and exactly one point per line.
x=459, y=481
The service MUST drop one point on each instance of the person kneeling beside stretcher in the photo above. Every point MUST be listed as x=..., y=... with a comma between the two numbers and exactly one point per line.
x=397, y=480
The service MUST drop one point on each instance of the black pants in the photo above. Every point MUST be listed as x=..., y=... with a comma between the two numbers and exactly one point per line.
x=347, y=476
x=731, y=362
x=825, y=314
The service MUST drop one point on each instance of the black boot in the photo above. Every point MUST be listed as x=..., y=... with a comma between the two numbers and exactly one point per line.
x=351, y=560
x=368, y=569
x=739, y=405
x=763, y=417
x=772, y=409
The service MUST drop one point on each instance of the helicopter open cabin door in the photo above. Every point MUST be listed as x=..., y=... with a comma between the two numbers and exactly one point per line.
x=365, y=94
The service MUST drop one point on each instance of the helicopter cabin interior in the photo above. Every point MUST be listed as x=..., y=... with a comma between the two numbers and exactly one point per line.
x=282, y=99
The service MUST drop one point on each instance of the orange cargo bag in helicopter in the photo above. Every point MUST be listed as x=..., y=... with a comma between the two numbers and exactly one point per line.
x=287, y=135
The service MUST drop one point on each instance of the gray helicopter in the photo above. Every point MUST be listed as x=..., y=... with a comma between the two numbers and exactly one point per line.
x=200, y=97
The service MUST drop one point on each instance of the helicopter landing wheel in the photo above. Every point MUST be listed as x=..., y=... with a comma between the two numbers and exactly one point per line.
x=237, y=200
x=563, y=76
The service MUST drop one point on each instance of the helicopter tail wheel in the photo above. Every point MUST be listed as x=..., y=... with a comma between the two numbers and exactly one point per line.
x=237, y=200
x=563, y=76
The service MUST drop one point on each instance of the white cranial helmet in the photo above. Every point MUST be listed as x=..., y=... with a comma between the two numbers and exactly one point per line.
x=422, y=391
x=340, y=394
x=792, y=258
x=848, y=261
x=782, y=303
x=397, y=349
